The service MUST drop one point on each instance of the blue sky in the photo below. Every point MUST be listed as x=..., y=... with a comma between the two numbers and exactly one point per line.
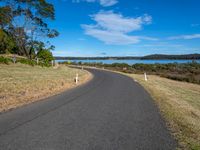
x=126, y=27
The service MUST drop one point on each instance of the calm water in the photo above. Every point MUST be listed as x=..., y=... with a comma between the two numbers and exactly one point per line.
x=130, y=62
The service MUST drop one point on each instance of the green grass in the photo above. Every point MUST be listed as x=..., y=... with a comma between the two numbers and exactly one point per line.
x=22, y=84
x=8, y=59
x=179, y=103
x=4, y=60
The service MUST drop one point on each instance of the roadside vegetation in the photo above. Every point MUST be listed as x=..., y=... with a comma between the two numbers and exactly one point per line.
x=22, y=84
x=188, y=72
x=8, y=59
x=179, y=103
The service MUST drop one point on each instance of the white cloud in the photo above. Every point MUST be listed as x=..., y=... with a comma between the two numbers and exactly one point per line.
x=185, y=37
x=113, y=28
x=107, y=3
x=109, y=37
x=104, y=3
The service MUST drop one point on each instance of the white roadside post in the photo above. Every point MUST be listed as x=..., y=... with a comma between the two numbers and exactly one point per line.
x=145, y=76
x=76, y=79
x=14, y=59
x=52, y=63
x=82, y=67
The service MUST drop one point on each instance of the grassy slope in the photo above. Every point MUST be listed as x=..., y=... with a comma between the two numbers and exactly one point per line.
x=22, y=84
x=179, y=102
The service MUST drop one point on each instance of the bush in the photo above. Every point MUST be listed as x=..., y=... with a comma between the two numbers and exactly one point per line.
x=4, y=60
x=44, y=64
x=26, y=61
x=45, y=55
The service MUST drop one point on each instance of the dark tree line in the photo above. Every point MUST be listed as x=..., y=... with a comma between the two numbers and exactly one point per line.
x=23, y=27
x=172, y=57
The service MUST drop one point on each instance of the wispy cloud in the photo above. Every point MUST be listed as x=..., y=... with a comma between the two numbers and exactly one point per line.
x=185, y=37
x=107, y=3
x=114, y=28
x=104, y=3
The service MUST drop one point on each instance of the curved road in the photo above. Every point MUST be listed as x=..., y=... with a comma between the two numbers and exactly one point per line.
x=111, y=112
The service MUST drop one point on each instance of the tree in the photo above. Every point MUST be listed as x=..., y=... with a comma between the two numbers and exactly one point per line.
x=7, y=44
x=45, y=55
x=5, y=16
x=26, y=22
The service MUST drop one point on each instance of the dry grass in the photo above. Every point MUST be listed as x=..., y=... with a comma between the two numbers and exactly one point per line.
x=179, y=102
x=12, y=55
x=23, y=84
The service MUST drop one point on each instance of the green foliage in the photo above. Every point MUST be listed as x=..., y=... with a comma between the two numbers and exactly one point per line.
x=27, y=61
x=32, y=62
x=45, y=55
x=7, y=44
x=53, y=33
x=20, y=37
x=44, y=64
x=8, y=60
x=120, y=65
x=5, y=16
x=4, y=60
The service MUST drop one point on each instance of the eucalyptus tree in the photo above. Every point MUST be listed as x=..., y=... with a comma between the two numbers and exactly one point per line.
x=5, y=16
x=26, y=21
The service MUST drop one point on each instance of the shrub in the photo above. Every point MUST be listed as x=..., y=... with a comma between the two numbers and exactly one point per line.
x=44, y=64
x=26, y=61
x=4, y=60
x=45, y=55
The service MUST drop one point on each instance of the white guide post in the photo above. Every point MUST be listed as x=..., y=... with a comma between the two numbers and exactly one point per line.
x=145, y=76
x=76, y=79
x=14, y=59
x=52, y=63
x=37, y=61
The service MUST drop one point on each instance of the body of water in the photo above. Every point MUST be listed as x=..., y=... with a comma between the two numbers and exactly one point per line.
x=130, y=62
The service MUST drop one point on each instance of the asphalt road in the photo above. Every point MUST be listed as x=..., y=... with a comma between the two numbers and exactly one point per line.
x=111, y=112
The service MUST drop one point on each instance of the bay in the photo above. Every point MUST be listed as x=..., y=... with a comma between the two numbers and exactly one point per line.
x=130, y=62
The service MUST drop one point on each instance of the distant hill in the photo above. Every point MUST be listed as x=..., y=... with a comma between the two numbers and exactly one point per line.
x=160, y=56
x=148, y=57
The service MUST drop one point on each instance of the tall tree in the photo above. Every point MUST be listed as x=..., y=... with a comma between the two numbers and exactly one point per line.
x=26, y=22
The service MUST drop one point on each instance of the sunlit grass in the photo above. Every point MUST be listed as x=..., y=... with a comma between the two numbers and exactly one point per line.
x=179, y=102
x=22, y=84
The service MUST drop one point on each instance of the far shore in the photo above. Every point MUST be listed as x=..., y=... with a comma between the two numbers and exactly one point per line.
x=148, y=57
